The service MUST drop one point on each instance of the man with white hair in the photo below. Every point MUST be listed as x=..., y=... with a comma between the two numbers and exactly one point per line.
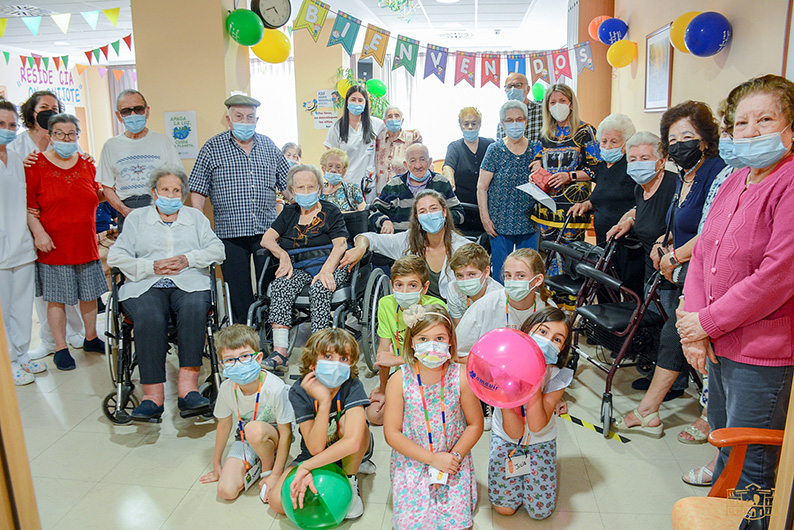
x=517, y=88
x=240, y=171
x=391, y=211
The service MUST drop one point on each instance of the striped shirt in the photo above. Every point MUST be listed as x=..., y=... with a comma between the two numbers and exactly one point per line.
x=241, y=187
x=396, y=201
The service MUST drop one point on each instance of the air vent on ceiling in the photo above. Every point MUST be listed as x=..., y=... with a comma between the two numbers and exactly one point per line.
x=24, y=10
x=456, y=35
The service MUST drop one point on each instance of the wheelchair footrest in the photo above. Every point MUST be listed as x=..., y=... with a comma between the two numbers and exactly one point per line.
x=196, y=412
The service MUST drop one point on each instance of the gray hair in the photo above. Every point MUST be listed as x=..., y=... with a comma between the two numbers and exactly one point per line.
x=616, y=122
x=166, y=170
x=423, y=147
x=311, y=168
x=292, y=145
x=63, y=118
x=392, y=107
x=512, y=104
x=645, y=138
x=129, y=92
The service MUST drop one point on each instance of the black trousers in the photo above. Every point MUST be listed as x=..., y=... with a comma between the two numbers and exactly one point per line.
x=136, y=201
x=237, y=272
x=150, y=313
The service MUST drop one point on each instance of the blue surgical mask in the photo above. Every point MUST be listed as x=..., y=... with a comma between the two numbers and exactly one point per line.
x=307, y=200
x=355, y=108
x=728, y=155
x=515, y=94
x=64, y=149
x=471, y=135
x=394, y=125
x=515, y=130
x=7, y=136
x=470, y=286
x=168, y=205
x=406, y=300
x=333, y=178
x=642, y=171
x=550, y=350
x=422, y=178
x=332, y=373
x=610, y=156
x=291, y=162
x=243, y=373
x=135, y=123
x=432, y=222
x=760, y=151
x=243, y=131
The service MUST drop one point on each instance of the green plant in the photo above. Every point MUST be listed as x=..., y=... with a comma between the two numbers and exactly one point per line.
x=377, y=104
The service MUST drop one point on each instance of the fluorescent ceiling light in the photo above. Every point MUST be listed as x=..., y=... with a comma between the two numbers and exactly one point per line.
x=447, y=1
x=61, y=43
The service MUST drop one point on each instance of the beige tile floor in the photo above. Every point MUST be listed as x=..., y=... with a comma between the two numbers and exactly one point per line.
x=90, y=474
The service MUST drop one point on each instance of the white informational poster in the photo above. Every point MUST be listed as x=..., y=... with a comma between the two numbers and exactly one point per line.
x=325, y=98
x=180, y=127
x=324, y=119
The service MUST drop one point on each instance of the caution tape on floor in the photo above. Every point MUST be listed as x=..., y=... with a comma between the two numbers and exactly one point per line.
x=577, y=421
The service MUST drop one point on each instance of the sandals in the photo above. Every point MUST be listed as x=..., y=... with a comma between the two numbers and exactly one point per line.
x=276, y=362
x=694, y=432
x=700, y=476
x=643, y=428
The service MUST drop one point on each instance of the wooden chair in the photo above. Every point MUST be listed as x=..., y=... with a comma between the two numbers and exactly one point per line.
x=716, y=511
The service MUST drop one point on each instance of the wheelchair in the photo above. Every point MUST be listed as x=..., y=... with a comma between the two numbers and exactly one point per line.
x=354, y=304
x=118, y=404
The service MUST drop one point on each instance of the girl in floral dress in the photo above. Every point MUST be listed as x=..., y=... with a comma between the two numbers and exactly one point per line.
x=432, y=420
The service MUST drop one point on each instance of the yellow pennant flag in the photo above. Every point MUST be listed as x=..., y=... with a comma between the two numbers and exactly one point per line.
x=3, y=22
x=375, y=42
x=312, y=17
x=80, y=68
x=113, y=15
x=62, y=21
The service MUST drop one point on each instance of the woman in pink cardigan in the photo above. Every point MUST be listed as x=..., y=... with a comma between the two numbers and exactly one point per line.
x=738, y=314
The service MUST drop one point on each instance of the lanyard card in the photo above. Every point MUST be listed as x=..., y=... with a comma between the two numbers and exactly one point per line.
x=436, y=476
x=517, y=466
x=252, y=475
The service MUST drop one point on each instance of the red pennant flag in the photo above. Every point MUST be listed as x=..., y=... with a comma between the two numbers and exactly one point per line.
x=105, y=50
x=562, y=64
x=57, y=61
x=23, y=59
x=539, y=70
x=464, y=67
x=88, y=55
x=490, y=69
x=37, y=60
x=128, y=41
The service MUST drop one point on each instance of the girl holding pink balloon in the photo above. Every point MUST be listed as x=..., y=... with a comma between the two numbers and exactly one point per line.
x=522, y=467
x=432, y=420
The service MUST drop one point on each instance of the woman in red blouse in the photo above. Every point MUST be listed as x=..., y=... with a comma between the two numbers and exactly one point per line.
x=61, y=187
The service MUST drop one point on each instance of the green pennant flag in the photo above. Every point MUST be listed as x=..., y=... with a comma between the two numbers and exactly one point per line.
x=116, y=46
x=345, y=31
x=406, y=53
x=65, y=61
x=7, y=56
x=46, y=61
x=31, y=62
x=96, y=54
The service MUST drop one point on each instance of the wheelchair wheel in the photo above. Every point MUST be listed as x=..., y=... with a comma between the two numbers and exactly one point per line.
x=112, y=336
x=122, y=416
x=606, y=414
x=377, y=287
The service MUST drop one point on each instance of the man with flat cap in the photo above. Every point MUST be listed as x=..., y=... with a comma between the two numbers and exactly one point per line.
x=240, y=171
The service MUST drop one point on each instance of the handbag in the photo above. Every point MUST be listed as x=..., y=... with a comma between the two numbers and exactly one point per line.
x=541, y=179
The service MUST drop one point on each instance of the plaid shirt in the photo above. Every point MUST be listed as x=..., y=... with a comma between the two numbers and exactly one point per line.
x=534, y=123
x=241, y=187
x=396, y=201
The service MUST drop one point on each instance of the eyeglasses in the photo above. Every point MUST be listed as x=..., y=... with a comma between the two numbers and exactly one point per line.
x=137, y=109
x=515, y=85
x=60, y=135
x=244, y=358
x=515, y=120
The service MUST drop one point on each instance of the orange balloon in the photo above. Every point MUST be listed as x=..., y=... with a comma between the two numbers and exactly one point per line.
x=678, y=28
x=622, y=53
x=592, y=29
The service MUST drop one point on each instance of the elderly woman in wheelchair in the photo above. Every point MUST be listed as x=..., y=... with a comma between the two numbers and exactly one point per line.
x=164, y=253
x=308, y=238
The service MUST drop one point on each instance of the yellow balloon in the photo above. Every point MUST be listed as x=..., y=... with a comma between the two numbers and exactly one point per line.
x=273, y=48
x=342, y=86
x=622, y=53
x=678, y=28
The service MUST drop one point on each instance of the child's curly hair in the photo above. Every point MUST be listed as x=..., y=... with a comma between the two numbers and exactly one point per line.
x=420, y=317
x=336, y=340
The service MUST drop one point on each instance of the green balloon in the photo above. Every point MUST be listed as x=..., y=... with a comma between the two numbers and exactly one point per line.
x=538, y=91
x=325, y=509
x=245, y=27
x=376, y=87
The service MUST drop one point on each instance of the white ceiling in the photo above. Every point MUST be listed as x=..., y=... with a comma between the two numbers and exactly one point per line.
x=492, y=25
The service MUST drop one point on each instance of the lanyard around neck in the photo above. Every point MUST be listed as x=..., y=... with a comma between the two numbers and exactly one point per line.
x=240, y=417
x=338, y=406
x=427, y=414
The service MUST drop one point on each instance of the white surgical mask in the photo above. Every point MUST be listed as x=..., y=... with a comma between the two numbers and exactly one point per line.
x=560, y=111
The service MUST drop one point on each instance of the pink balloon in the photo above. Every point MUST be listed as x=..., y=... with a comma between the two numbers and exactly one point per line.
x=505, y=367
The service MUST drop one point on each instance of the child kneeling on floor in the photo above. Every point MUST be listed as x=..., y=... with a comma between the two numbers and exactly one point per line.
x=329, y=403
x=258, y=404
x=522, y=467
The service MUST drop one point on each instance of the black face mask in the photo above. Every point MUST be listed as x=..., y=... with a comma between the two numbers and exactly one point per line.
x=43, y=118
x=685, y=154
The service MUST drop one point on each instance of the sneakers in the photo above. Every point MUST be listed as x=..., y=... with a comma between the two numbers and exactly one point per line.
x=487, y=415
x=76, y=340
x=367, y=467
x=95, y=345
x=21, y=377
x=63, y=360
x=356, y=509
x=32, y=367
x=41, y=351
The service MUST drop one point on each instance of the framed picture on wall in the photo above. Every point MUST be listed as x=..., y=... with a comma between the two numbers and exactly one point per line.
x=658, y=70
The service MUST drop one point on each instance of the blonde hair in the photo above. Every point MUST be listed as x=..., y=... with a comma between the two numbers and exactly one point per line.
x=334, y=152
x=433, y=314
x=532, y=259
x=235, y=337
x=549, y=129
x=408, y=265
x=465, y=112
x=337, y=340
x=470, y=254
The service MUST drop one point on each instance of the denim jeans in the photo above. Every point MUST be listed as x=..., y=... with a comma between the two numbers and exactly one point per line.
x=502, y=245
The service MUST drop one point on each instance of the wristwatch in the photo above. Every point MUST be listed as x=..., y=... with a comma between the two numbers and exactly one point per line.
x=457, y=455
x=674, y=262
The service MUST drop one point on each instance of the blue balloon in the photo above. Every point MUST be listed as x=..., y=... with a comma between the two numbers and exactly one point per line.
x=612, y=30
x=707, y=34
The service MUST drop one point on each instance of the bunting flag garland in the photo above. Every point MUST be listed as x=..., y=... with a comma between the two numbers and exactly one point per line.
x=517, y=63
x=584, y=57
x=312, y=17
x=345, y=31
x=57, y=61
x=464, y=67
x=31, y=62
x=491, y=64
x=538, y=68
x=80, y=68
x=436, y=61
x=65, y=60
x=33, y=24
x=37, y=60
x=104, y=50
x=102, y=72
x=23, y=59
x=134, y=75
x=128, y=41
x=562, y=64
x=46, y=61
x=406, y=54
x=117, y=74
x=112, y=15
x=375, y=42
x=62, y=21
x=3, y=23
x=92, y=17
x=96, y=54
x=116, y=45
x=7, y=56
x=88, y=55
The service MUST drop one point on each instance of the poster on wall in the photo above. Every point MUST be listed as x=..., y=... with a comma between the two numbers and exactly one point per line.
x=658, y=70
x=20, y=82
x=324, y=119
x=181, y=128
x=325, y=98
